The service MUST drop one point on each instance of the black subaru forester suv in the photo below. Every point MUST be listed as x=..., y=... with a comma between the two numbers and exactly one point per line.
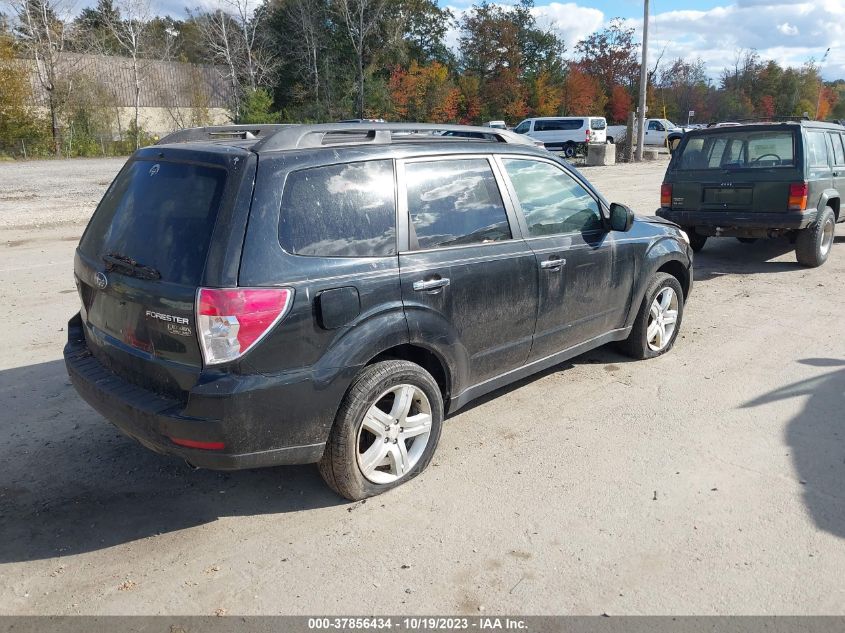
x=254, y=296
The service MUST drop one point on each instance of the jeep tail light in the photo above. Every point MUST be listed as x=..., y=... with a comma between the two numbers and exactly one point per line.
x=230, y=321
x=798, y=196
x=665, y=195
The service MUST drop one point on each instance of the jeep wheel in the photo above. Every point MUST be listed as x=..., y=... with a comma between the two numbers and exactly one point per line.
x=385, y=432
x=813, y=245
x=696, y=241
x=659, y=319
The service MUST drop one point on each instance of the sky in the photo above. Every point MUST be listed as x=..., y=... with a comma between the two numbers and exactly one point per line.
x=791, y=33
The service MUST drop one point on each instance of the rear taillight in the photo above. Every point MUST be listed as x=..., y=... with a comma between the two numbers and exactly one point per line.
x=665, y=195
x=230, y=321
x=589, y=134
x=798, y=196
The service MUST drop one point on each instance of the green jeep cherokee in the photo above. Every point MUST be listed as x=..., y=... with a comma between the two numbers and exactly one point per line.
x=759, y=180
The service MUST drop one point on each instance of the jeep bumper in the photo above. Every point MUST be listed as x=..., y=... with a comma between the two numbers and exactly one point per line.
x=729, y=221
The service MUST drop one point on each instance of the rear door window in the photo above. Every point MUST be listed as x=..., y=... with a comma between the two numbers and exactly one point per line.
x=598, y=124
x=454, y=202
x=344, y=210
x=161, y=215
x=838, y=151
x=816, y=149
x=552, y=201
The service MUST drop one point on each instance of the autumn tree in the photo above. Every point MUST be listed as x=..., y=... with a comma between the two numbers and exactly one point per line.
x=580, y=93
x=619, y=104
x=610, y=56
x=17, y=116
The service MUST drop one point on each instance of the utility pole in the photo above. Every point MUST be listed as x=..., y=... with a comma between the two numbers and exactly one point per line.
x=643, y=86
x=821, y=82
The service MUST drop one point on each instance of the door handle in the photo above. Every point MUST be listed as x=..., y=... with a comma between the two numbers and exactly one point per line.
x=431, y=284
x=553, y=263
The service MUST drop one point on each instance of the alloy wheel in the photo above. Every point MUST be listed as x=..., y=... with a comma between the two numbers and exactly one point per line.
x=394, y=434
x=662, y=319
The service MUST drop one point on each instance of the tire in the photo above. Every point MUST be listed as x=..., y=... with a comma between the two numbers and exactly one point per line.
x=747, y=240
x=610, y=140
x=639, y=344
x=343, y=465
x=569, y=150
x=696, y=241
x=813, y=245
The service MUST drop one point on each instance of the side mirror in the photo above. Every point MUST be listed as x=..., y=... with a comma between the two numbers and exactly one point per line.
x=621, y=217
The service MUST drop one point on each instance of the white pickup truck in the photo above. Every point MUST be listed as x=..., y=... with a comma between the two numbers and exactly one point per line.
x=657, y=132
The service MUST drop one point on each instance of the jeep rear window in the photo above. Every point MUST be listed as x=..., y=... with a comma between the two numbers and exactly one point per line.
x=742, y=149
x=340, y=211
x=161, y=214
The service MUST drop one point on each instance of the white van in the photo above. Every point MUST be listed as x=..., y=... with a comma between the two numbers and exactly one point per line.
x=565, y=133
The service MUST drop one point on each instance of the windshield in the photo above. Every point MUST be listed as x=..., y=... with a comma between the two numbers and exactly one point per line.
x=738, y=149
x=667, y=123
x=159, y=214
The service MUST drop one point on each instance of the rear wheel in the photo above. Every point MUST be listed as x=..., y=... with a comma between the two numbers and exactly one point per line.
x=813, y=245
x=385, y=432
x=569, y=150
x=659, y=319
x=696, y=241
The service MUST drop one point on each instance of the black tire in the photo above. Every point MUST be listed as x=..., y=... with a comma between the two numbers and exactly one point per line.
x=696, y=241
x=636, y=345
x=569, y=150
x=747, y=240
x=339, y=464
x=813, y=245
x=610, y=140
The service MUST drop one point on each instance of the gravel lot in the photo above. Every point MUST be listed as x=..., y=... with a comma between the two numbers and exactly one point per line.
x=708, y=481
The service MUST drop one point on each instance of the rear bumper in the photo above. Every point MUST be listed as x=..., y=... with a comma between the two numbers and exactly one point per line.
x=152, y=419
x=739, y=219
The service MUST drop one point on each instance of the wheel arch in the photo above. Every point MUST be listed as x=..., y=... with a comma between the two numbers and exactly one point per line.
x=830, y=198
x=680, y=272
x=426, y=358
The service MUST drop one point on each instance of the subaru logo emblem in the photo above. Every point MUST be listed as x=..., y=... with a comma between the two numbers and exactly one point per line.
x=102, y=280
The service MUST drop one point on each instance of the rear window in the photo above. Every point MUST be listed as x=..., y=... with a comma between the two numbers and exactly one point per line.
x=746, y=149
x=340, y=211
x=555, y=125
x=598, y=124
x=160, y=214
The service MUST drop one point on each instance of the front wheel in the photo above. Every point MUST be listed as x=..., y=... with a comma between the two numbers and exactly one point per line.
x=659, y=319
x=812, y=247
x=385, y=432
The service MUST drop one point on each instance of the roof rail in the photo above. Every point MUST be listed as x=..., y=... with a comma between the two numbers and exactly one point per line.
x=216, y=132
x=323, y=134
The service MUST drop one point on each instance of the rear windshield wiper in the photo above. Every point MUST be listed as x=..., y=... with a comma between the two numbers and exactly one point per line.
x=128, y=266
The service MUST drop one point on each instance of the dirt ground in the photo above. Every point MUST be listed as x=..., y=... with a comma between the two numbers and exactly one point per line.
x=708, y=481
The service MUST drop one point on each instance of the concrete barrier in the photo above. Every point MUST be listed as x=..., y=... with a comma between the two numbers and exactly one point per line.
x=599, y=154
x=650, y=154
